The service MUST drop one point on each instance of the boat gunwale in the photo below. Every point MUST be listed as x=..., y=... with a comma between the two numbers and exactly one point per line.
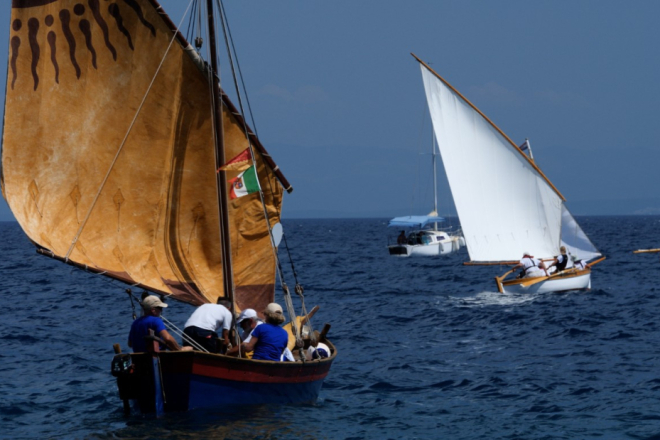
x=563, y=275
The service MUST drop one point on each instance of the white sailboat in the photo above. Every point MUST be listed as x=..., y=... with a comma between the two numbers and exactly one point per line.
x=422, y=242
x=506, y=205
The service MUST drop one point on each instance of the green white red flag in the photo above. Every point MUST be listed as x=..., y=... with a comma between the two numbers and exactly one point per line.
x=244, y=184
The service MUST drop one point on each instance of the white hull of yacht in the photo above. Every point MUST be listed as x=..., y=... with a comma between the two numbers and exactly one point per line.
x=578, y=281
x=442, y=247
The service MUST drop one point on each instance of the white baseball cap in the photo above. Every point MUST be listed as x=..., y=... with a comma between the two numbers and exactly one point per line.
x=246, y=314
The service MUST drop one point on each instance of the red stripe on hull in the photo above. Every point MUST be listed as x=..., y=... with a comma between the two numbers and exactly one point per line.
x=244, y=370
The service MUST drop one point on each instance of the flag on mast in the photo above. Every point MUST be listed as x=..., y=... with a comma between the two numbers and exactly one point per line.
x=245, y=183
x=239, y=163
x=527, y=146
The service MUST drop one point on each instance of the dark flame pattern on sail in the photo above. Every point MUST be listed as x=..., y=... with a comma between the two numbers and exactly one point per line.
x=77, y=75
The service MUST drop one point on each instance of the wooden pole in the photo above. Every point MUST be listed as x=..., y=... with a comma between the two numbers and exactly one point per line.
x=490, y=263
x=324, y=332
x=221, y=178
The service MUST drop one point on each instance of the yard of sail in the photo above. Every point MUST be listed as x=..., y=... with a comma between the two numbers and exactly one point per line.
x=505, y=205
x=72, y=95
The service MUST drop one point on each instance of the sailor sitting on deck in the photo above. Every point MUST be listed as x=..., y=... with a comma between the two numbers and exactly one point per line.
x=402, y=239
x=269, y=340
x=579, y=264
x=560, y=262
x=247, y=321
x=531, y=267
x=321, y=351
x=152, y=307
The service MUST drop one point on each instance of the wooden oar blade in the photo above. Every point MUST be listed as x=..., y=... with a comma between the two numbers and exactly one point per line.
x=531, y=281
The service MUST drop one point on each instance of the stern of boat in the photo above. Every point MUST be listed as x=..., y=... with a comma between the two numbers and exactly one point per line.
x=400, y=250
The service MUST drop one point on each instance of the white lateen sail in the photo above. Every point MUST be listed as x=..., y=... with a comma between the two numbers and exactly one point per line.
x=505, y=203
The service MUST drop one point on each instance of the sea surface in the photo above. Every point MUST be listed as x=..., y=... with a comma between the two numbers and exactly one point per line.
x=427, y=347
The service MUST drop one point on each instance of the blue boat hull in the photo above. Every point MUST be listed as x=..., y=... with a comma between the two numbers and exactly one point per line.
x=181, y=381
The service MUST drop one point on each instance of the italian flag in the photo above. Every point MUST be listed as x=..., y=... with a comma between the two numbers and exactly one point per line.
x=244, y=184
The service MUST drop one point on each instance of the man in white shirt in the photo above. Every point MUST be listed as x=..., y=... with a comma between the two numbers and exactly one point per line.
x=203, y=324
x=531, y=267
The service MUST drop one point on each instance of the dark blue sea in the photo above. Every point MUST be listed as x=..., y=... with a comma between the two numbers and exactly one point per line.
x=427, y=348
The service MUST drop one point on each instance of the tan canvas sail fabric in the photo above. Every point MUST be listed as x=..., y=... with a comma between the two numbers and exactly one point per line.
x=77, y=75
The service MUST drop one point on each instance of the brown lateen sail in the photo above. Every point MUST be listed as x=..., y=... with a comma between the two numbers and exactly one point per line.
x=108, y=157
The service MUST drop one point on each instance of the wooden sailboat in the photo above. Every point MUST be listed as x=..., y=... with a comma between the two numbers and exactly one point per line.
x=115, y=130
x=506, y=205
x=423, y=241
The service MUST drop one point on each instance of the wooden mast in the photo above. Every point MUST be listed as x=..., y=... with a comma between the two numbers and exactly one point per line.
x=221, y=180
x=516, y=147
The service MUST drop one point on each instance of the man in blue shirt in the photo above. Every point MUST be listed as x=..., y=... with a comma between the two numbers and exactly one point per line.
x=268, y=340
x=153, y=307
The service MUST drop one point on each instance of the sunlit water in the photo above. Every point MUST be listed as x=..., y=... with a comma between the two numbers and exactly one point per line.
x=427, y=347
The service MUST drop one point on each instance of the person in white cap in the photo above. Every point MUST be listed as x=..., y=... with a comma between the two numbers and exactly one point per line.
x=153, y=307
x=531, y=267
x=248, y=320
x=268, y=340
x=203, y=324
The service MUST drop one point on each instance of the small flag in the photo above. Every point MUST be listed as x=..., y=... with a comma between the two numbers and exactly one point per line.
x=239, y=163
x=244, y=184
x=525, y=147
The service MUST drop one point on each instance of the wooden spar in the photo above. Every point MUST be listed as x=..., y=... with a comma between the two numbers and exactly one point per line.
x=646, y=251
x=531, y=281
x=490, y=263
x=195, y=297
x=307, y=317
x=499, y=280
x=596, y=261
x=230, y=106
x=221, y=178
x=516, y=148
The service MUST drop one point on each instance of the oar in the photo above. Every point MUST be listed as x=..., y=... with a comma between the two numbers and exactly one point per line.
x=596, y=261
x=645, y=251
x=532, y=281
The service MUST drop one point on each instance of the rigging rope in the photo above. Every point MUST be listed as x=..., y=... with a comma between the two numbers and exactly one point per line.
x=238, y=77
x=183, y=336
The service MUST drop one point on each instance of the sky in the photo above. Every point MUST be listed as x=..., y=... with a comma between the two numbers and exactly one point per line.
x=339, y=102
